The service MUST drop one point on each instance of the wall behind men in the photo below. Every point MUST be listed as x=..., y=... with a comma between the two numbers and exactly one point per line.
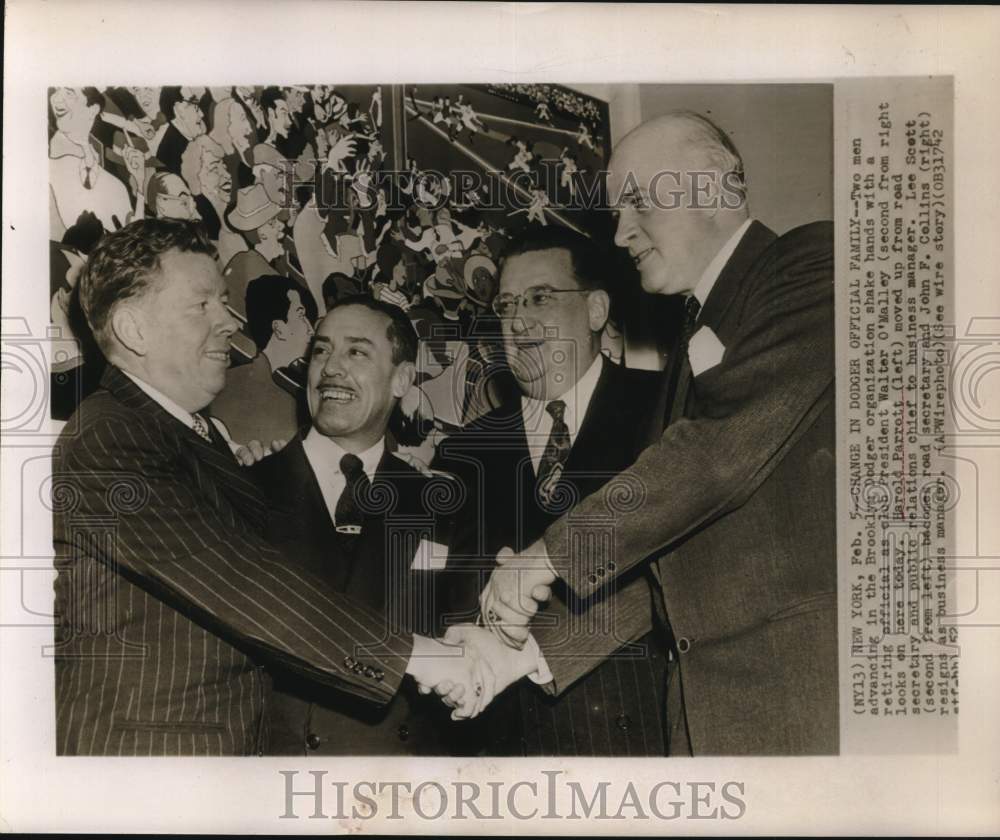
x=784, y=133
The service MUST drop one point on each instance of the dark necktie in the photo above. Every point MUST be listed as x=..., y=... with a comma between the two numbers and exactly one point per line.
x=691, y=309
x=555, y=454
x=682, y=368
x=348, y=515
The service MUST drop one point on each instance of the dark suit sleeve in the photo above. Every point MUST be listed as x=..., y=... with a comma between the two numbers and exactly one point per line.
x=170, y=541
x=575, y=635
x=775, y=378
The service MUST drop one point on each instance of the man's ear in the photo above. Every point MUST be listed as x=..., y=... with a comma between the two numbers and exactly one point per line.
x=128, y=326
x=402, y=379
x=598, y=308
x=709, y=194
x=278, y=329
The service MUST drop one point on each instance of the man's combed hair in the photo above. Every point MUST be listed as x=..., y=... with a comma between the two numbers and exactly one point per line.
x=267, y=302
x=269, y=99
x=714, y=144
x=400, y=332
x=589, y=260
x=169, y=97
x=122, y=264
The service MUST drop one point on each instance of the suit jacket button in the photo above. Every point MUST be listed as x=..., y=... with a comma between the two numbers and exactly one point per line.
x=403, y=732
x=349, y=662
x=358, y=668
x=379, y=675
x=612, y=565
x=592, y=578
x=600, y=571
x=369, y=672
x=313, y=741
x=683, y=645
x=623, y=722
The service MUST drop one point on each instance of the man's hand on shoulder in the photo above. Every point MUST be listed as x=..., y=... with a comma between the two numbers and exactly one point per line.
x=253, y=451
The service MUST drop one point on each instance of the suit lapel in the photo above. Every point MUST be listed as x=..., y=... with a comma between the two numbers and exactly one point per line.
x=597, y=446
x=303, y=498
x=388, y=539
x=755, y=241
x=213, y=460
x=725, y=291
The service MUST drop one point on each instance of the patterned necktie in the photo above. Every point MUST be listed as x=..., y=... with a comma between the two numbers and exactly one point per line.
x=348, y=515
x=201, y=427
x=555, y=454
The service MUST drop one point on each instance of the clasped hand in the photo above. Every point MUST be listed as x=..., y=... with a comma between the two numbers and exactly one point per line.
x=518, y=586
x=467, y=668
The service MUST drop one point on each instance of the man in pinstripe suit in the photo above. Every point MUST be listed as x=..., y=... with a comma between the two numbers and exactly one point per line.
x=169, y=602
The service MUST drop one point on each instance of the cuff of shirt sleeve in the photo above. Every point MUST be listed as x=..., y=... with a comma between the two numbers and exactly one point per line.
x=541, y=675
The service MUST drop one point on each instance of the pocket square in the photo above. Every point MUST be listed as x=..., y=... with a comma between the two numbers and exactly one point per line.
x=705, y=351
x=429, y=557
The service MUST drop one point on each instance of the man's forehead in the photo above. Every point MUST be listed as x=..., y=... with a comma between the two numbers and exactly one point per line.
x=188, y=271
x=175, y=184
x=355, y=323
x=552, y=266
x=648, y=149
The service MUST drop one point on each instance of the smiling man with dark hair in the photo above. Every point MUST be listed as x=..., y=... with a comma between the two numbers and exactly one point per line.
x=348, y=509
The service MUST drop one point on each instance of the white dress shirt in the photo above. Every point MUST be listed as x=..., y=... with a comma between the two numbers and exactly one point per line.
x=538, y=426
x=324, y=454
x=175, y=411
x=712, y=271
x=538, y=422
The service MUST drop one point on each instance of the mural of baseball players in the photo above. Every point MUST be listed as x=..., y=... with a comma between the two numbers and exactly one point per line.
x=304, y=182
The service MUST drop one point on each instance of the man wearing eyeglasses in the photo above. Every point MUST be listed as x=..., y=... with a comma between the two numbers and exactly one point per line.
x=170, y=198
x=526, y=462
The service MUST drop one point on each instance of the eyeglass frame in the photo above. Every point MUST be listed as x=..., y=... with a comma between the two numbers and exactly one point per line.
x=519, y=300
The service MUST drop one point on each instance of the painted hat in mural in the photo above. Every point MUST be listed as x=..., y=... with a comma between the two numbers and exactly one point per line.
x=253, y=209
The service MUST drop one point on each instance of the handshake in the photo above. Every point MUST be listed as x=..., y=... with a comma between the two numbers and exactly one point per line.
x=475, y=662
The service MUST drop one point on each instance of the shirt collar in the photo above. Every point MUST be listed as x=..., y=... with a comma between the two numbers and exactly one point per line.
x=712, y=271
x=577, y=399
x=161, y=399
x=324, y=454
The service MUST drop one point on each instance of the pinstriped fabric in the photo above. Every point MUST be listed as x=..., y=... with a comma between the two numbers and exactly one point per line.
x=165, y=589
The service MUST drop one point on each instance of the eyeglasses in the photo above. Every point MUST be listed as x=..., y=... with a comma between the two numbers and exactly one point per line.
x=534, y=299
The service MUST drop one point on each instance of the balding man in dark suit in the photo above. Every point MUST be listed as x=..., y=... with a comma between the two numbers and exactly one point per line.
x=738, y=526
